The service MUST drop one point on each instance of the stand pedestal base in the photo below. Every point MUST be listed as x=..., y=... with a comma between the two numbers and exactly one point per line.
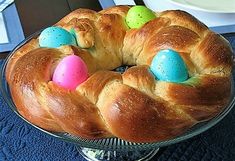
x=102, y=155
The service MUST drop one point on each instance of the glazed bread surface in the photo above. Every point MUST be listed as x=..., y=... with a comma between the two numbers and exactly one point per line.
x=133, y=106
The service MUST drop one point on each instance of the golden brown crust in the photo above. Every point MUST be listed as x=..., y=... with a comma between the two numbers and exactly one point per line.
x=94, y=84
x=133, y=106
x=138, y=38
x=210, y=90
x=45, y=104
x=213, y=55
x=74, y=113
x=134, y=116
x=141, y=78
x=120, y=10
x=184, y=19
x=173, y=37
x=78, y=14
x=25, y=80
x=32, y=44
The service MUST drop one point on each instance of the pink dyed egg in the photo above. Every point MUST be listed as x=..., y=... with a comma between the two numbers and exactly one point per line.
x=70, y=72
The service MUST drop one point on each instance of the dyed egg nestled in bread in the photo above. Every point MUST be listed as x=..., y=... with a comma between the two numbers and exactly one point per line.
x=70, y=72
x=167, y=65
x=53, y=37
x=137, y=16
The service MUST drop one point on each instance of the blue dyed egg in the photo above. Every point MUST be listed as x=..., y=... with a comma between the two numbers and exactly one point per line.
x=167, y=65
x=54, y=37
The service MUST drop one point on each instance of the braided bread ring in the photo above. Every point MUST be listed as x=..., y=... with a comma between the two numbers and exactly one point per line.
x=132, y=106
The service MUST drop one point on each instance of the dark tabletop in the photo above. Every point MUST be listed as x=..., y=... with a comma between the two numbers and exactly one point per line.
x=38, y=14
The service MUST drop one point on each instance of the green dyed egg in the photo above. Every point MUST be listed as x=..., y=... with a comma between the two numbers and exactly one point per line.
x=137, y=16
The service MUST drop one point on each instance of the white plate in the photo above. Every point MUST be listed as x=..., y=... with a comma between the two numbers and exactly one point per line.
x=217, y=6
